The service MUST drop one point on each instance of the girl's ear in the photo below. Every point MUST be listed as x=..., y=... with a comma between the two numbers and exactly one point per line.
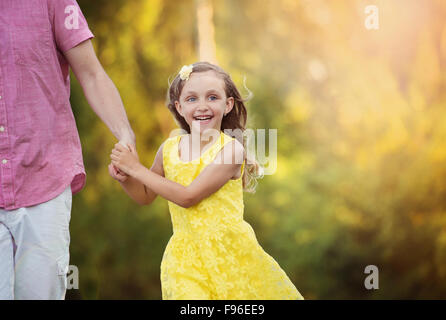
x=179, y=108
x=229, y=105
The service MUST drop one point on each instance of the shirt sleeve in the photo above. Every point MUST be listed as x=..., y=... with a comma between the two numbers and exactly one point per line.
x=68, y=24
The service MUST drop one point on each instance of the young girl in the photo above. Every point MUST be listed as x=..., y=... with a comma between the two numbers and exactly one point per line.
x=213, y=253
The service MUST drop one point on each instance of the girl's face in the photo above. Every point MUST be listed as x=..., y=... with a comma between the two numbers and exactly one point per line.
x=203, y=101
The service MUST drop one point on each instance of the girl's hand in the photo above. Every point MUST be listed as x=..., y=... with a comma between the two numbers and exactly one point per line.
x=123, y=159
x=114, y=172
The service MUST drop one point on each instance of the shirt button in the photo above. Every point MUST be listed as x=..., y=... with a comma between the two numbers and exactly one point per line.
x=4, y=161
x=2, y=128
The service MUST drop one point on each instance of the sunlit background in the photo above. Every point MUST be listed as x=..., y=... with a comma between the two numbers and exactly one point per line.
x=361, y=120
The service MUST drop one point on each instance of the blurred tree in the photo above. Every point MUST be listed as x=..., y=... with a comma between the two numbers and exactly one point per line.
x=205, y=25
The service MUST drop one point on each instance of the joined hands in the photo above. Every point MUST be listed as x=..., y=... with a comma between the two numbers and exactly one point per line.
x=124, y=159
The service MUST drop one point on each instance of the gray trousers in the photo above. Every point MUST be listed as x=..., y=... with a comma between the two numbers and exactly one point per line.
x=34, y=250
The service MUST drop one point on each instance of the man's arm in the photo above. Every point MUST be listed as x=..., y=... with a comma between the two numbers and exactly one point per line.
x=100, y=91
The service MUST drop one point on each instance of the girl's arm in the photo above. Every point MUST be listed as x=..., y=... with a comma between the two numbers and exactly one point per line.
x=135, y=190
x=138, y=191
x=225, y=166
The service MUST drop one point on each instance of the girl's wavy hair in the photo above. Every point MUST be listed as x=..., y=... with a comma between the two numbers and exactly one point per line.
x=235, y=119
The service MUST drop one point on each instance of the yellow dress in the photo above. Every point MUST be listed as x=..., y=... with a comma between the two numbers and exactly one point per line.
x=213, y=253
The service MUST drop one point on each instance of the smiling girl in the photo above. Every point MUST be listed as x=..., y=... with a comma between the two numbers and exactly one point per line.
x=213, y=252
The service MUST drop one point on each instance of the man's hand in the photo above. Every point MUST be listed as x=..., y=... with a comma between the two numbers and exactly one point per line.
x=127, y=138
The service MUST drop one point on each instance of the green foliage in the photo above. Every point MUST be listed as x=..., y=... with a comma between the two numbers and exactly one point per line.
x=361, y=131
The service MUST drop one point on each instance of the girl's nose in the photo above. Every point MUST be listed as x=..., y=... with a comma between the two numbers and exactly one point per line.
x=202, y=106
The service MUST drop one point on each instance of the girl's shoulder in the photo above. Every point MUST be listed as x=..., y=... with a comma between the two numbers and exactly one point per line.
x=233, y=146
x=172, y=140
x=158, y=163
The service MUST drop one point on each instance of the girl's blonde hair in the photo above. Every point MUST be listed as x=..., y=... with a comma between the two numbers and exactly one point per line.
x=235, y=119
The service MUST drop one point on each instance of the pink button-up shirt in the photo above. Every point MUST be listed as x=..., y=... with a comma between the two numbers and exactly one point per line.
x=40, y=150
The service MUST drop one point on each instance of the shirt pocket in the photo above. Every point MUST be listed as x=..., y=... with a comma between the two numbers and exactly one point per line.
x=31, y=41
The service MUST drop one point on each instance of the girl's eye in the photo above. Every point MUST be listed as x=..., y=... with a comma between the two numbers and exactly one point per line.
x=191, y=99
x=213, y=98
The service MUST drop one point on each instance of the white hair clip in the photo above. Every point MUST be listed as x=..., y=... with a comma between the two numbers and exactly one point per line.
x=185, y=72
